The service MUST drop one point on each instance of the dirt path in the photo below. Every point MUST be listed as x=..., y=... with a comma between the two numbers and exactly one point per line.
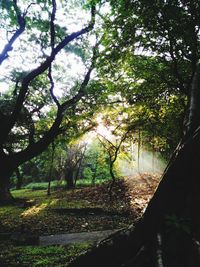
x=140, y=189
x=67, y=239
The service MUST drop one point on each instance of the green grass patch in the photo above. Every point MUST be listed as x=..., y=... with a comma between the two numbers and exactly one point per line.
x=55, y=185
x=44, y=185
x=40, y=256
x=88, y=182
x=29, y=194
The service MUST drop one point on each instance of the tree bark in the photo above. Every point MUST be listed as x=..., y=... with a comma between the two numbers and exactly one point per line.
x=19, y=179
x=194, y=106
x=5, y=195
x=6, y=170
x=70, y=179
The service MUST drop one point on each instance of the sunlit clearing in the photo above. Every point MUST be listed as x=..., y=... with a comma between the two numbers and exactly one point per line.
x=33, y=210
x=145, y=162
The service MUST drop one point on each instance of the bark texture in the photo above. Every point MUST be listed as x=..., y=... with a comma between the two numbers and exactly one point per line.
x=7, y=169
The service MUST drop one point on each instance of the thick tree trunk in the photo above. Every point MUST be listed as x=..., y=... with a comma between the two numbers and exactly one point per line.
x=5, y=195
x=19, y=179
x=6, y=171
x=194, y=106
x=70, y=179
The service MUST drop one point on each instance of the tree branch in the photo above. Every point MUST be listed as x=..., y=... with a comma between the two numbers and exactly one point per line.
x=41, y=69
x=52, y=26
x=21, y=22
x=52, y=88
x=83, y=85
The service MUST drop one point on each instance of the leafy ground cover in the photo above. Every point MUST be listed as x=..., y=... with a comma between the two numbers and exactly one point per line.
x=129, y=199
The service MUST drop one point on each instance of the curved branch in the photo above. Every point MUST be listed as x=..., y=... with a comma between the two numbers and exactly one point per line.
x=35, y=149
x=52, y=26
x=21, y=22
x=52, y=87
x=83, y=85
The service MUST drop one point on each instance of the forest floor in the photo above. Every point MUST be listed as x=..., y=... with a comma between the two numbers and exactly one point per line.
x=79, y=210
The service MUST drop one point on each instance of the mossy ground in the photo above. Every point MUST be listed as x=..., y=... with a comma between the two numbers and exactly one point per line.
x=42, y=219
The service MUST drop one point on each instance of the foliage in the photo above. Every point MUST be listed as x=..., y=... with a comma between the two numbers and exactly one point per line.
x=152, y=71
x=95, y=167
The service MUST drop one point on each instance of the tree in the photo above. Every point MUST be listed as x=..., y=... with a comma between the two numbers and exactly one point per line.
x=73, y=162
x=168, y=232
x=20, y=20
x=95, y=167
x=19, y=179
x=112, y=148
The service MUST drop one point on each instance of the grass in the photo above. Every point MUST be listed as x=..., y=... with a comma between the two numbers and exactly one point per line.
x=29, y=193
x=44, y=185
x=38, y=219
x=55, y=185
x=26, y=256
x=42, y=219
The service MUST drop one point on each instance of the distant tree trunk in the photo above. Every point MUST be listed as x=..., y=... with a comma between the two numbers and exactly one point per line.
x=153, y=153
x=77, y=174
x=50, y=170
x=19, y=179
x=94, y=173
x=78, y=166
x=69, y=177
x=139, y=148
x=111, y=165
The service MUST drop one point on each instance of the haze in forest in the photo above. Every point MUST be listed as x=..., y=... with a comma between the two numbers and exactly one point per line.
x=146, y=162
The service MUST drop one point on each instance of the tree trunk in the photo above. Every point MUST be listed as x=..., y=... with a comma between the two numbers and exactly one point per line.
x=49, y=188
x=19, y=179
x=5, y=195
x=50, y=170
x=113, y=179
x=5, y=173
x=70, y=179
x=94, y=173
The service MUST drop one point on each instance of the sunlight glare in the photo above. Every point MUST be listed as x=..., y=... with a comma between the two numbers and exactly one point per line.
x=103, y=130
